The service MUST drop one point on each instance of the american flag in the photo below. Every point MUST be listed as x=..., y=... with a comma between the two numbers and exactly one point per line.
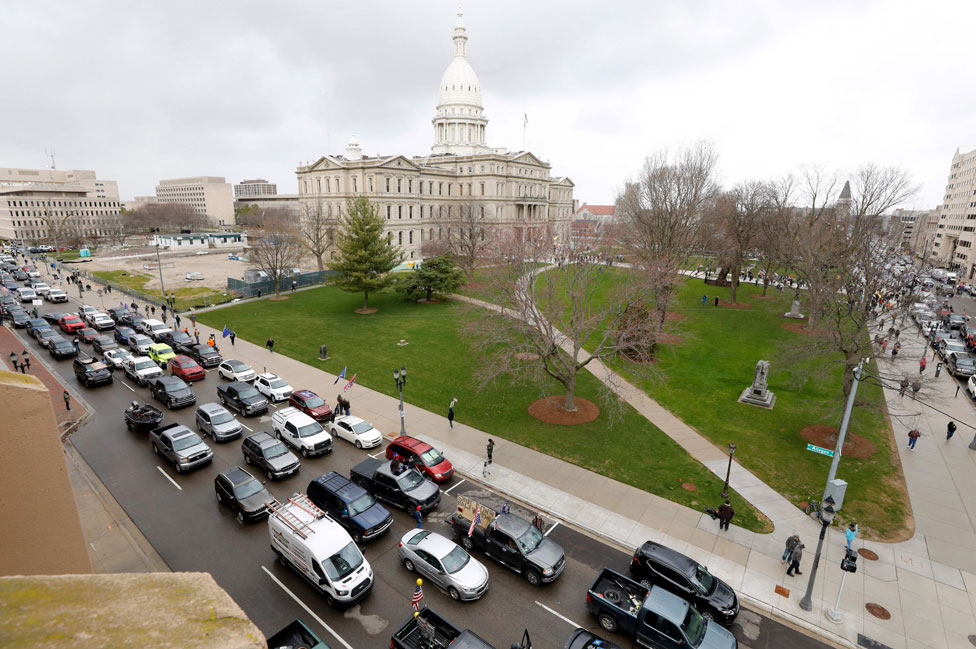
x=477, y=519
x=418, y=596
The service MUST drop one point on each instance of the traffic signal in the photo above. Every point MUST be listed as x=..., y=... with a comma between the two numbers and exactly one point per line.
x=849, y=562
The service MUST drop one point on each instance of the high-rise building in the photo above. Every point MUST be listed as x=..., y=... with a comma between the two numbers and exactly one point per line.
x=257, y=187
x=209, y=196
x=957, y=219
x=419, y=197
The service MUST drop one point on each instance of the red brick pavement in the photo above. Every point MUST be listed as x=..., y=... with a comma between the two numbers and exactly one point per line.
x=11, y=343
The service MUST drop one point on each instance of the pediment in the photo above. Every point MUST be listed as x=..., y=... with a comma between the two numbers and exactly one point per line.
x=399, y=162
x=529, y=158
x=325, y=163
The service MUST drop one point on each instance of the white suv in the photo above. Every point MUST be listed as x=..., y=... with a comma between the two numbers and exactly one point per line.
x=273, y=386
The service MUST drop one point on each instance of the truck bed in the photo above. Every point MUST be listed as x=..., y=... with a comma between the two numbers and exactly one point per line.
x=416, y=633
x=613, y=589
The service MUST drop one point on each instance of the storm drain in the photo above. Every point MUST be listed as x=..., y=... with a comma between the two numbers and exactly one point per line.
x=869, y=555
x=878, y=611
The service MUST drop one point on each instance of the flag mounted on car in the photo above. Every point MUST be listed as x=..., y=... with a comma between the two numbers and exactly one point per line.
x=476, y=520
x=418, y=596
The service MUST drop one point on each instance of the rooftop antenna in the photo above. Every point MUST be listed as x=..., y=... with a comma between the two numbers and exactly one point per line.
x=50, y=154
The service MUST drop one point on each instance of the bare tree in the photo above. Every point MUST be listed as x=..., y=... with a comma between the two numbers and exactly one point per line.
x=469, y=236
x=547, y=318
x=279, y=250
x=772, y=242
x=316, y=230
x=58, y=224
x=660, y=217
x=120, y=227
x=736, y=220
x=171, y=217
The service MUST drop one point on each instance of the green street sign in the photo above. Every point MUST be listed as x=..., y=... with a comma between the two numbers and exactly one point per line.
x=822, y=451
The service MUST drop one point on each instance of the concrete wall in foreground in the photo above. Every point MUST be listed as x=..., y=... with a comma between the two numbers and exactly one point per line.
x=41, y=530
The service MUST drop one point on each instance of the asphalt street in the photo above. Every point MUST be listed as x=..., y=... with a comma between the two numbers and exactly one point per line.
x=182, y=519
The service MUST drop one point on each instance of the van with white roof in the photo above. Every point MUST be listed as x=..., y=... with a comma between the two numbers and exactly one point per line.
x=320, y=550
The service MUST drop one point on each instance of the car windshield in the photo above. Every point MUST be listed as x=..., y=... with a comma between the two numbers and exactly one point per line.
x=432, y=457
x=694, y=627
x=247, y=489
x=207, y=351
x=141, y=340
x=163, y=349
x=410, y=480
x=314, y=402
x=362, y=427
x=184, y=443
x=955, y=347
x=238, y=366
x=361, y=504
x=248, y=393
x=530, y=540
x=145, y=365
x=703, y=580
x=455, y=560
x=277, y=450
x=221, y=417
x=278, y=383
x=62, y=344
x=343, y=562
x=313, y=428
x=964, y=360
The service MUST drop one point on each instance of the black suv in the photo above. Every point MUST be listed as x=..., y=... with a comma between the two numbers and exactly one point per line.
x=172, y=391
x=60, y=347
x=243, y=493
x=656, y=565
x=350, y=505
x=242, y=397
x=180, y=342
x=206, y=355
x=91, y=372
x=271, y=455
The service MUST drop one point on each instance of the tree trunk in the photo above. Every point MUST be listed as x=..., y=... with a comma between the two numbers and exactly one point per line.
x=570, y=402
x=321, y=264
x=430, y=293
x=735, y=283
x=850, y=363
x=365, y=299
x=277, y=285
x=765, y=284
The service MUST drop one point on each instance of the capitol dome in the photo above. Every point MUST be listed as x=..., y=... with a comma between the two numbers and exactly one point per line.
x=459, y=85
x=459, y=122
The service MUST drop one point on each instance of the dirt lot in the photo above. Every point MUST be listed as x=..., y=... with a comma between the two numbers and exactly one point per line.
x=215, y=267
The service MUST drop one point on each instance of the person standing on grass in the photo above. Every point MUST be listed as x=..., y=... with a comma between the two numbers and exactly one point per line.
x=950, y=429
x=913, y=436
x=704, y=300
x=725, y=514
x=795, y=560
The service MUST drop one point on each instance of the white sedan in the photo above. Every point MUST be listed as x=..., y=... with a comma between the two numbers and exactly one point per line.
x=356, y=431
x=233, y=370
x=117, y=357
x=273, y=386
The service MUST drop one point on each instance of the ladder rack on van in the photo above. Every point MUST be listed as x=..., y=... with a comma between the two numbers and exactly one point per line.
x=302, y=502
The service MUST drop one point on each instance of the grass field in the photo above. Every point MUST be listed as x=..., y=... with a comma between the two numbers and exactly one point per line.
x=703, y=376
x=441, y=367
x=186, y=298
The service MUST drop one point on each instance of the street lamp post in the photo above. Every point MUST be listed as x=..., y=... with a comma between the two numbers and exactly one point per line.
x=826, y=516
x=400, y=378
x=159, y=267
x=725, y=490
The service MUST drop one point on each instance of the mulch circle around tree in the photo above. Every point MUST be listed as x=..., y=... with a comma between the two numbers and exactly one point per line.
x=550, y=410
x=687, y=486
x=737, y=305
x=671, y=316
x=526, y=356
x=797, y=327
x=869, y=555
x=280, y=298
x=878, y=611
x=855, y=445
x=365, y=311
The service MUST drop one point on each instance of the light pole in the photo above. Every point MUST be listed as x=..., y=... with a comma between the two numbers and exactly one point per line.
x=826, y=516
x=159, y=267
x=725, y=490
x=400, y=378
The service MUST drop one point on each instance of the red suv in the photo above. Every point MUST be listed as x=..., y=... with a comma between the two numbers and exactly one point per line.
x=71, y=323
x=425, y=457
x=311, y=404
x=186, y=368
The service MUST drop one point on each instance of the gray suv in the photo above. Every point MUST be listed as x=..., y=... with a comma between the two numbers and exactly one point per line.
x=271, y=455
x=216, y=421
x=181, y=446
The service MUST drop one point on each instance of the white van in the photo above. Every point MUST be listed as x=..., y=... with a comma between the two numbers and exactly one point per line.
x=951, y=278
x=319, y=549
x=26, y=294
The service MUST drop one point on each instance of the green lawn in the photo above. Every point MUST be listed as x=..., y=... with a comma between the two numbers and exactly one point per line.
x=186, y=298
x=440, y=366
x=703, y=376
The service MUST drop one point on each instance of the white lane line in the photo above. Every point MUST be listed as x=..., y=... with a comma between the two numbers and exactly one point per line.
x=168, y=477
x=457, y=485
x=373, y=455
x=308, y=610
x=561, y=617
x=131, y=389
x=554, y=525
x=248, y=427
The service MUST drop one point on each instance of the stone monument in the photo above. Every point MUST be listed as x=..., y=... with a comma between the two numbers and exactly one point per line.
x=795, y=309
x=758, y=393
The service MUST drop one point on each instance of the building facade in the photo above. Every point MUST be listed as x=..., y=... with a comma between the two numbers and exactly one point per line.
x=257, y=187
x=43, y=205
x=957, y=218
x=422, y=197
x=285, y=202
x=209, y=196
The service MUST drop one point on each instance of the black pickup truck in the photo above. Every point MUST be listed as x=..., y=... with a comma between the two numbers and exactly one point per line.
x=516, y=544
x=295, y=635
x=407, y=489
x=428, y=629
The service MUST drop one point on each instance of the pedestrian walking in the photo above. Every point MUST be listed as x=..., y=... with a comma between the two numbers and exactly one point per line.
x=950, y=429
x=153, y=309
x=891, y=331
x=795, y=560
x=916, y=386
x=913, y=436
x=894, y=349
x=193, y=319
x=725, y=514
x=897, y=333
x=294, y=285
x=850, y=533
x=490, y=448
x=233, y=337
x=450, y=412
x=704, y=300
x=270, y=345
x=196, y=335
x=419, y=515
x=67, y=400
x=921, y=365
x=25, y=364
x=904, y=386
x=716, y=300
x=75, y=343
x=884, y=345
x=881, y=324
x=177, y=321
x=791, y=544
x=13, y=360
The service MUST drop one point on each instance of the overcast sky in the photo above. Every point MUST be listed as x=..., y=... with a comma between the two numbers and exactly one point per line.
x=140, y=91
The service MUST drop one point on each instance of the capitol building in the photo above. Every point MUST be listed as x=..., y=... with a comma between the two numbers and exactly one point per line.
x=421, y=196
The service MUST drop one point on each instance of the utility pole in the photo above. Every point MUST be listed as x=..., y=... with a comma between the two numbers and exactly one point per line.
x=159, y=267
x=845, y=421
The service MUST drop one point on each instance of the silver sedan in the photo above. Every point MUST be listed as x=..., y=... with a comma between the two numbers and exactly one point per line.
x=444, y=563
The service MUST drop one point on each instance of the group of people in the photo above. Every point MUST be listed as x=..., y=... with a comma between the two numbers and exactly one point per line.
x=794, y=549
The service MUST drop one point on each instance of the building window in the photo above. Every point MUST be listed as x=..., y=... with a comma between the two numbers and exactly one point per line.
x=370, y=184
x=399, y=185
x=482, y=189
x=411, y=236
x=409, y=186
x=387, y=212
x=354, y=185
x=400, y=238
x=387, y=185
x=440, y=189
x=410, y=212
x=328, y=185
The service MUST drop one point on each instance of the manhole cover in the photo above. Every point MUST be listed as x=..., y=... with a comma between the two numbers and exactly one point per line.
x=878, y=611
x=687, y=486
x=869, y=555
x=972, y=640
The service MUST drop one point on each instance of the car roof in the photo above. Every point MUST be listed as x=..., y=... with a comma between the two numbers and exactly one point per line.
x=352, y=420
x=511, y=524
x=437, y=545
x=305, y=394
x=269, y=376
x=236, y=363
x=340, y=485
x=329, y=537
x=263, y=439
x=211, y=407
x=236, y=475
x=412, y=443
x=182, y=359
x=178, y=432
x=667, y=605
x=672, y=558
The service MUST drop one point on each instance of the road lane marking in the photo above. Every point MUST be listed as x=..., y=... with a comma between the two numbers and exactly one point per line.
x=248, y=427
x=308, y=610
x=131, y=389
x=551, y=528
x=561, y=617
x=457, y=485
x=169, y=477
x=373, y=455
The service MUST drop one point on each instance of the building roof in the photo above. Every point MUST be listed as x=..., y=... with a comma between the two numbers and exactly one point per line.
x=459, y=83
x=603, y=210
x=845, y=194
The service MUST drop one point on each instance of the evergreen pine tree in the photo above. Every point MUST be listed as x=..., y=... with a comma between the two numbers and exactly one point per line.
x=366, y=254
x=435, y=275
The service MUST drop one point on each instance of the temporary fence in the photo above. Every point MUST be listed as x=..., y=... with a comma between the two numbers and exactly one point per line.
x=252, y=289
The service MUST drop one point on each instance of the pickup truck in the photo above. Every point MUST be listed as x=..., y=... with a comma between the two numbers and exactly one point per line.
x=428, y=629
x=511, y=541
x=141, y=369
x=242, y=397
x=407, y=489
x=295, y=635
x=652, y=617
x=181, y=446
x=297, y=429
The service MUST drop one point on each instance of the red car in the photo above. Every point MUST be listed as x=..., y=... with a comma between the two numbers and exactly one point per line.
x=71, y=323
x=422, y=455
x=311, y=404
x=186, y=368
x=87, y=334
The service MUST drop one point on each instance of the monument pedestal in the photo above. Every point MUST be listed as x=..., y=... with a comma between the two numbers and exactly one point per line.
x=794, y=311
x=758, y=394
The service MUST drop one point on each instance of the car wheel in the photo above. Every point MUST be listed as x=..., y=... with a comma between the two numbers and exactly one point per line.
x=708, y=615
x=466, y=543
x=305, y=453
x=155, y=448
x=240, y=517
x=533, y=577
x=607, y=622
x=128, y=424
x=408, y=564
x=453, y=592
x=359, y=444
x=247, y=458
x=269, y=473
x=220, y=498
x=330, y=600
x=646, y=583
